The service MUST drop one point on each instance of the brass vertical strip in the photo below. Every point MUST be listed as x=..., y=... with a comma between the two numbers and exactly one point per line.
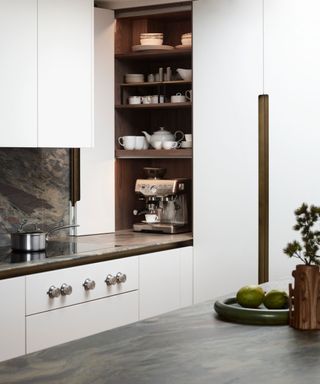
x=74, y=175
x=263, y=188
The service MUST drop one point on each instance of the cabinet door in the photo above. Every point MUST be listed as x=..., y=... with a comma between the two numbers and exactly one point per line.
x=51, y=328
x=65, y=73
x=227, y=78
x=97, y=164
x=165, y=281
x=18, y=73
x=292, y=78
x=12, y=319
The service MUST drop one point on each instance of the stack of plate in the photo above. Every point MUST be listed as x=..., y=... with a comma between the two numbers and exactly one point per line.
x=151, y=38
x=134, y=78
x=186, y=41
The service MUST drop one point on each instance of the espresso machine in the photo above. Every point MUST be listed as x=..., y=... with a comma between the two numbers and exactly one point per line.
x=166, y=202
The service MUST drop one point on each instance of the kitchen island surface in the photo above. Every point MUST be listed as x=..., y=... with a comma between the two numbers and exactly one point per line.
x=186, y=346
x=73, y=251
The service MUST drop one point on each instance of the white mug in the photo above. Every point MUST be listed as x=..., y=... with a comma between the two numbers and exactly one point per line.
x=178, y=98
x=141, y=143
x=156, y=99
x=169, y=144
x=134, y=100
x=146, y=99
x=151, y=218
x=188, y=95
x=188, y=137
x=127, y=142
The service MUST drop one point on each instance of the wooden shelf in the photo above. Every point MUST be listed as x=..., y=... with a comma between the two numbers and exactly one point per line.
x=155, y=55
x=155, y=106
x=156, y=83
x=154, y=154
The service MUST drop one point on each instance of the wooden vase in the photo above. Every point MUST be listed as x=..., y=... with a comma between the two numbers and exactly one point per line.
x=304, y=298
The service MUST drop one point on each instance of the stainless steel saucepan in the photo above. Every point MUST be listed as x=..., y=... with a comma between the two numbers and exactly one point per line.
x=33, y=241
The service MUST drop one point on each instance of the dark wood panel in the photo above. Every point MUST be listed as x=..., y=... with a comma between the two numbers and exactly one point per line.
x=154, y=55
x=263, y=188
x=155, y=106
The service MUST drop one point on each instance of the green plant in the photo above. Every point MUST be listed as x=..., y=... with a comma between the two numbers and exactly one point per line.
x=306, y=218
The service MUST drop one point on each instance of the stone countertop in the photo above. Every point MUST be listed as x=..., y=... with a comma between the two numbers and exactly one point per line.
x=73, y=251
x=188, y=346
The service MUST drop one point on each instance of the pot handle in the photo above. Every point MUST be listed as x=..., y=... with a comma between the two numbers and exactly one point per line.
x=181, y=133
x=60, y=227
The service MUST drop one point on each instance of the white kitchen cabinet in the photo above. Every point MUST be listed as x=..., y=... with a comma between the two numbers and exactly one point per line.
x=18, y=73
x=65, y=73
x=95, y=210
x=165, y=281
x=292, y=78
x=46, y=73
x=37, y=285
x=12, y=318
x=70, y=323
x=227, y=78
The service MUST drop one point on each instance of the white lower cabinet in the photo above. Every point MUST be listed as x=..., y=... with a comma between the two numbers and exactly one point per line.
x=165, y=281
x=54, y=320
x=70, y=323
x=12, y=318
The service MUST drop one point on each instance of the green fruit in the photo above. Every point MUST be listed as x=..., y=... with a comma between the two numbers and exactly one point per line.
x=276, y=299
x=250, y=296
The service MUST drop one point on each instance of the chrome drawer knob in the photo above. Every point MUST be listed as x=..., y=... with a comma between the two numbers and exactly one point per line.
x=53, y=292
x=121, y=277
x=89, y=284
x=66, y=289
x=111, y=280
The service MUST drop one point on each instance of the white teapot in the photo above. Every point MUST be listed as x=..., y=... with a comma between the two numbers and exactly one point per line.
x=162, y=135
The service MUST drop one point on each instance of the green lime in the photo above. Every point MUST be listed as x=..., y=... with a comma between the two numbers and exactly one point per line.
x=276, y=299
x=250, y=296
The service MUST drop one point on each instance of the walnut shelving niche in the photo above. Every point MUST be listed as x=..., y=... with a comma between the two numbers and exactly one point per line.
x=173, y=21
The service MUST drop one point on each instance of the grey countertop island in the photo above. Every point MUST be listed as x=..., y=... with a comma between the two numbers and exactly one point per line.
x=186, y=346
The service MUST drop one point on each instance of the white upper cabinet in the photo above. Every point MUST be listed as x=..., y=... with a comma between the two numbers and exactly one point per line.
x=292, y=79
x=46, y=73
x=18, y=73
x=227, y=78
x=65, y=73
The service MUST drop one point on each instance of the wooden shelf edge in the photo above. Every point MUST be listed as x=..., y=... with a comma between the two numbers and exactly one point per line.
x=155, y=83
x=154, y=106
x=153, y=54
x=154, y=154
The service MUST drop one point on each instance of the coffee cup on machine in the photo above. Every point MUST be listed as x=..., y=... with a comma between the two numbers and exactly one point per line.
x=151, y=218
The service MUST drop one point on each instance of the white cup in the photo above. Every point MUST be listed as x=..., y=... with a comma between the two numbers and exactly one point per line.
x=188, y=137
x=134, y=100
x=151, y=218
x=188, y=95
x=157, y=144
x=186, y=144
x=169, y=144
x=127, y=142
x=178, y=98
x=141, y=143
x=146, y=99
x=157, y=99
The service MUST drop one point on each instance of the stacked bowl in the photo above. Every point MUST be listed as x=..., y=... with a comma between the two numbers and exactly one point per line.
x=151, y=38
x=186, y=39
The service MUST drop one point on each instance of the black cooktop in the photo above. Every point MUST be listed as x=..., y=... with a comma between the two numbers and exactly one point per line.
x=54, y=249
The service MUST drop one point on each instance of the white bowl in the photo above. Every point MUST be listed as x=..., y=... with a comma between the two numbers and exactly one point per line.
x=185, y=74
x=186, y=41
x=186, y=144
x=151, y=41
x=134, y=78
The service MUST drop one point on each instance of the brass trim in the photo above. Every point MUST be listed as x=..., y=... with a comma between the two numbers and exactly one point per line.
x=74, y=175
x=263, y=273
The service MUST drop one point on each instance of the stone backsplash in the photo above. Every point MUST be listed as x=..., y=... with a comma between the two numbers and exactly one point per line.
x=34, y=185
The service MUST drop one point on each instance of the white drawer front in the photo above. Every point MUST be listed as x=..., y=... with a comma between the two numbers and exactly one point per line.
x=37, y=299
x=65, y=324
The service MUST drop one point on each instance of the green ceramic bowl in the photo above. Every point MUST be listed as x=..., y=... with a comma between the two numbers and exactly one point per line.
x=230, y=310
